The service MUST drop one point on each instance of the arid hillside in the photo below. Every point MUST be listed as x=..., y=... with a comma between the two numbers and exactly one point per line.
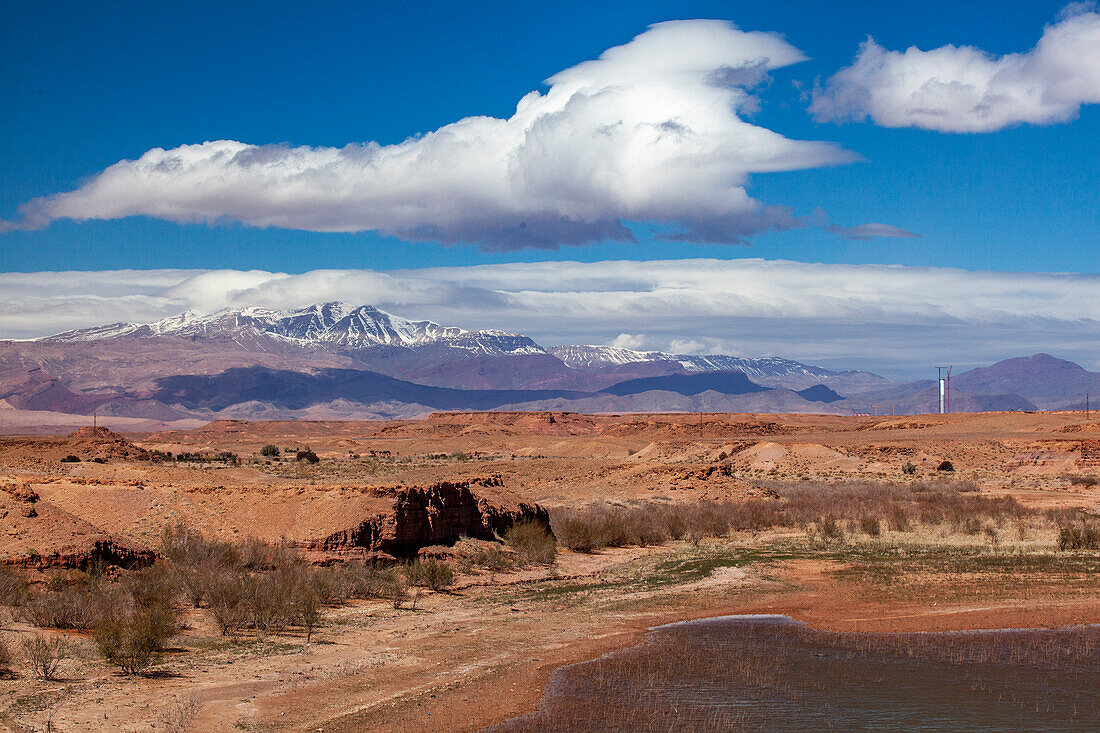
x=401, y=575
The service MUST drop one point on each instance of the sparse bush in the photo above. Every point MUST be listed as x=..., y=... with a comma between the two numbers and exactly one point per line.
x=532, y=542
x=430, y=573
x=78, y=607
x=400, y=596
x=5, y=659
x=306, y=455
x=195, y=581
x=13, y=587
x=225, y=598
x=45, y=656
x=705, y=519
x=270, y=451
x=870, y=526
x=606, y=525
x=830, y=530
x=179, y=716
x=1079, y=480
x=132, y=644
x=969, y=525
x=152, y=587
x=307, y=610
x=1079, y=535
x=367, y=581
x=946, y=467
x=185, y=546
x=271, y=598
x=897, y=519
x=70, y=459
x=909, y=468
x=575, y=532
x=485, y=555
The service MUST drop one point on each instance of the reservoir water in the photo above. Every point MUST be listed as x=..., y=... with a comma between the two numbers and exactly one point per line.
x=769, y=673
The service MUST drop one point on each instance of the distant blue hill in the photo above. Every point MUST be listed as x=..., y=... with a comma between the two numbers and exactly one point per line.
x=689, y=384
x=819, y=393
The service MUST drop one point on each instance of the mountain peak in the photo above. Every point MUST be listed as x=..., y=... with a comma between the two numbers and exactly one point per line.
x=333, y=325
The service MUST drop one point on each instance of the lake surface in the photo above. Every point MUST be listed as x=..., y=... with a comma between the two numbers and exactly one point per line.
x=769, y=673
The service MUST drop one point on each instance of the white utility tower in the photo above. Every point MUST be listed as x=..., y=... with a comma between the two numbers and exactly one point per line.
x=943, y=375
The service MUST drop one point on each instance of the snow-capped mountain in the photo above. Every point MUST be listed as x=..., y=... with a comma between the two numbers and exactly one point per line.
x=583, y=357
x=331, y=326
x=611, y=356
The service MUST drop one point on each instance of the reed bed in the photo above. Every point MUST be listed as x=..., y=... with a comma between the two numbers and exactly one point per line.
x=827, y=511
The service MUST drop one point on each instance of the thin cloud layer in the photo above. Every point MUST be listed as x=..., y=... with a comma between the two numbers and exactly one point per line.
x=651, y=131
x=965, y=89
x=864, y=232
x=891, y=318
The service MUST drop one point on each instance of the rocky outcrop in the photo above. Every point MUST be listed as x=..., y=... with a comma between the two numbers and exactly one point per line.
x=439, y=514
x=18, y=490
x=99, y=553
x=37, y=534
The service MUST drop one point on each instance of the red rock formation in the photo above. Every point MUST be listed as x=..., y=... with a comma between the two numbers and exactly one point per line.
x=439, y=514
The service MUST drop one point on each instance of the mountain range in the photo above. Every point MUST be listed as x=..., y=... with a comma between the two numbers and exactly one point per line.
x=334, y=360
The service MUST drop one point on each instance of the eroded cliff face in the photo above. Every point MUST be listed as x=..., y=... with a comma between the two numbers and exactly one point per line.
x=98, y=553
x=439, y=514
x=36, y=534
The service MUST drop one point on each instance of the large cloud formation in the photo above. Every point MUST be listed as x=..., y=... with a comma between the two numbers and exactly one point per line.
x=651, y=131
x=891, y=318
x=965, y=89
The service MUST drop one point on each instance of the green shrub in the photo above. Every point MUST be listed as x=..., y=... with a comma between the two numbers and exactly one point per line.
x=945, y=466
x=70, y=459
x=909, y=469
x=532, y=542
x=270, y=451
x=430, y=573
x=1078, y=480
x=306, y=455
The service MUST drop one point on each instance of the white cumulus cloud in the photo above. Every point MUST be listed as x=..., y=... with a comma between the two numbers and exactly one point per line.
x=965, y=89
x=651, y=131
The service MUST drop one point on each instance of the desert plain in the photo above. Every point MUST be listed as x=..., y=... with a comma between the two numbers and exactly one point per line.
x=849, y=523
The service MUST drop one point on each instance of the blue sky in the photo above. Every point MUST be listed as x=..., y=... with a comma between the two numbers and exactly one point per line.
x=86, y=85
x=173, y=156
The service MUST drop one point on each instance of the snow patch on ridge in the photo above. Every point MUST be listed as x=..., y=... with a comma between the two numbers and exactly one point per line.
x=583, y=356
x=324, y=325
